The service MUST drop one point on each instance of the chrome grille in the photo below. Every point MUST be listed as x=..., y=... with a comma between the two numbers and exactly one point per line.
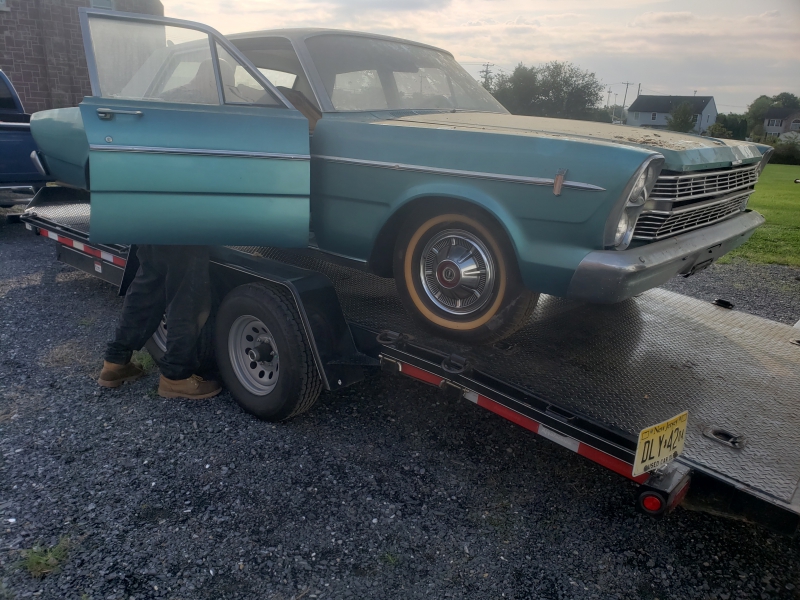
x=678, y=188
x=656, y=225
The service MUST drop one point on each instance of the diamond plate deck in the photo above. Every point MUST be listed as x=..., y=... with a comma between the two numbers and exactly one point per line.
x=635, y=364
x=70, y=214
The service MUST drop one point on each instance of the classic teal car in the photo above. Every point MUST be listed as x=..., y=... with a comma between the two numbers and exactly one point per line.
x=386, y=153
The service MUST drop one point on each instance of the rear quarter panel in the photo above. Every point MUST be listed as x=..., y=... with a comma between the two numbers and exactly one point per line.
x=62, y=141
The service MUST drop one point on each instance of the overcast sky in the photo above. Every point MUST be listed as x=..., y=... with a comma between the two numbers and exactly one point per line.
x=733, y=50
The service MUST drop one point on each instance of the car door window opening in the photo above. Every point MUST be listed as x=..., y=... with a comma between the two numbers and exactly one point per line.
x=238, y=85
x=276, y=59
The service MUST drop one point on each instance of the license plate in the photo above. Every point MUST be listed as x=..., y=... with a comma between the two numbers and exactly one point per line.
x=660, y=444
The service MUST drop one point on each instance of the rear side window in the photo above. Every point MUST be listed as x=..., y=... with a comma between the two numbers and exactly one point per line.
x=358, y=90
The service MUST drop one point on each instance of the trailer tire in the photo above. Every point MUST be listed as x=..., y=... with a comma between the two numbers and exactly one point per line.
x=206, y=359
x=285, y=383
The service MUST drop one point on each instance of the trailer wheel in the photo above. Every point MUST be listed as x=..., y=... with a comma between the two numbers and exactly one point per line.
x=457, y=275
x=262, y=354
x=156, y=346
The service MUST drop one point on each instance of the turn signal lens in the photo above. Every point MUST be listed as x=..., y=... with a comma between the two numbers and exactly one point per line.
x=622, y=228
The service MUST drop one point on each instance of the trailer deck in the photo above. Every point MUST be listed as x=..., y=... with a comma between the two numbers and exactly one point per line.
x=590, y=377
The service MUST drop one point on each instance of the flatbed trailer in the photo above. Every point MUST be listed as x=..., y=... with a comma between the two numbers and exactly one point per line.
x=587, y=377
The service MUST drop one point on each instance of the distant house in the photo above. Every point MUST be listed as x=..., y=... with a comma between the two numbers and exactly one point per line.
x=778, y=121
x=652, y=111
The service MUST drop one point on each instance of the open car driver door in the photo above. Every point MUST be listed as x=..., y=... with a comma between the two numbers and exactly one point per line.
x=188, y=142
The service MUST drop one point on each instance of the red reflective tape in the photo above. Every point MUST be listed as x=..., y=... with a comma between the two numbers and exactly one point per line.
x=611, y=462
x=509, y=414
x=605, y=460
x=116, y=260
x=416, y=373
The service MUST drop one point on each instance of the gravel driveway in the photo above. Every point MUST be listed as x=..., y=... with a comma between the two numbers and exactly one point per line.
x=385, y=490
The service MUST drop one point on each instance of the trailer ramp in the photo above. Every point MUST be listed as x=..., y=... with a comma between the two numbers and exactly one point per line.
x=634, y=364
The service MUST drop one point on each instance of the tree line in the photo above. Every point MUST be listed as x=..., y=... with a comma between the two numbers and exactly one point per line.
x=555, y=89
x=564, y=90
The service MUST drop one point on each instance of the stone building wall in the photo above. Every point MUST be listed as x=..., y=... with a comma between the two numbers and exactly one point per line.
x=41, y=49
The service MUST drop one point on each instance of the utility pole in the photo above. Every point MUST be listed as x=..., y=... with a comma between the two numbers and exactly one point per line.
x=487, y=75
x=695, y=92
x=608, y=102
x=614, y=111
x=627, y=83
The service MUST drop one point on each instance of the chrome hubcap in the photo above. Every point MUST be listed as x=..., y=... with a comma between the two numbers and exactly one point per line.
x=457, y=272
x=253, y=355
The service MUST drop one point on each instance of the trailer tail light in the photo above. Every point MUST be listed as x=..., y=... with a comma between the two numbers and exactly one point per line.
x=652, y=503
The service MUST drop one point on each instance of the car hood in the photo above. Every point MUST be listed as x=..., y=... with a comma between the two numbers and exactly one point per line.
x=683, y=151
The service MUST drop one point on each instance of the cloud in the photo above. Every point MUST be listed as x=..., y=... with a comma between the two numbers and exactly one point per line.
x=390, y=5
x=724, y=47
x=652, y=18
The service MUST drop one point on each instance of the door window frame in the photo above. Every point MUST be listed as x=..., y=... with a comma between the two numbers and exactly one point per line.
x=213, y=36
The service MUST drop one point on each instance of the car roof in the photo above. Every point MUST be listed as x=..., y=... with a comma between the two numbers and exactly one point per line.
x=301, y=34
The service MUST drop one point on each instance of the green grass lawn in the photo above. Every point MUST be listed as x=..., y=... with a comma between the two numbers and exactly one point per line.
x=777, y=197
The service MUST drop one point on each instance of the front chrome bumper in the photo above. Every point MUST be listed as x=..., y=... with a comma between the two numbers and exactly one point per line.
x=607, y=276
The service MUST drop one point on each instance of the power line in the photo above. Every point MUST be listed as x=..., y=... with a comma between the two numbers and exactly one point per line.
x=487, y=75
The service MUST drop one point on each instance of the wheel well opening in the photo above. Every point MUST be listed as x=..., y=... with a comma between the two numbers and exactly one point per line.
x=380, y=261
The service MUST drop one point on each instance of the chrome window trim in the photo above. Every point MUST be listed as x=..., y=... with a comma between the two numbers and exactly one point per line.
x=198, y=152
x=543, y=181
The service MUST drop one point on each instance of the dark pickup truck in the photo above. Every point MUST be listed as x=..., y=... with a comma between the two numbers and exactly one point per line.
x=17, y=170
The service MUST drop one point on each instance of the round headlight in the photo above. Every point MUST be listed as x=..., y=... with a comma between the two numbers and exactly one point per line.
x=622, y=228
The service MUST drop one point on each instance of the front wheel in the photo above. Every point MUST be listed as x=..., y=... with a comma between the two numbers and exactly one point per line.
x=456, y=274
x=262, y=354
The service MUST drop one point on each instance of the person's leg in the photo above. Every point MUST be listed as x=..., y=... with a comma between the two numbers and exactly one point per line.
x=142, y=310
x=188, y=293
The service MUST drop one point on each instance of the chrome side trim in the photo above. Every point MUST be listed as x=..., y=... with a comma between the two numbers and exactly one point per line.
x=578, y=185
x=197, y=152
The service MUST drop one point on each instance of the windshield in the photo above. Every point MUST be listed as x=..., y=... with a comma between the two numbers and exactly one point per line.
x=362, y=73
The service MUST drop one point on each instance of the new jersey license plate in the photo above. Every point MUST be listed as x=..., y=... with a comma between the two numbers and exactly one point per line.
x=660, y=444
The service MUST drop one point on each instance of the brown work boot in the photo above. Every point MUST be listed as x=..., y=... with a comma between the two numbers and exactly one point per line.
x=193, y=388
x=114, y=375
